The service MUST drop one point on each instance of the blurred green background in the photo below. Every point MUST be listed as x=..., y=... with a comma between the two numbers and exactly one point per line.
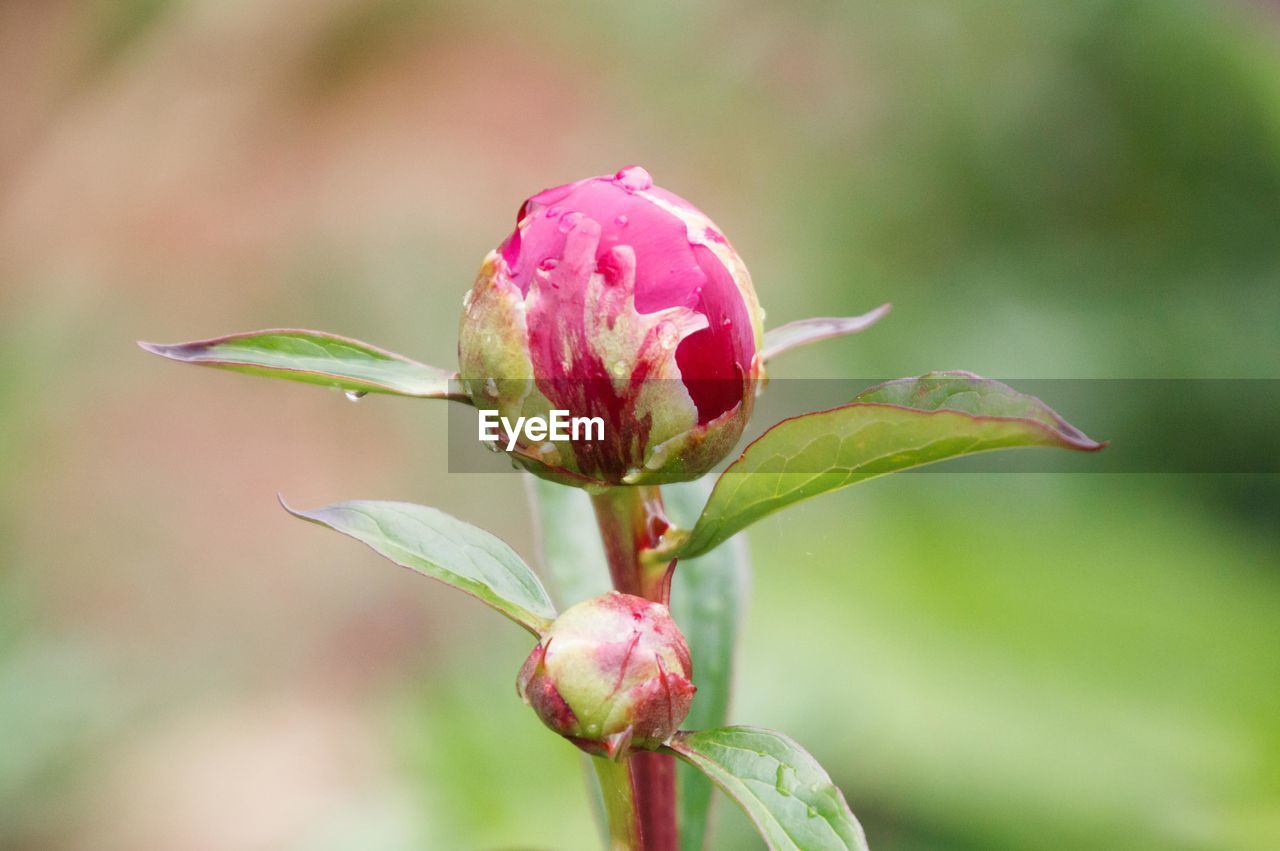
x=1088, y=189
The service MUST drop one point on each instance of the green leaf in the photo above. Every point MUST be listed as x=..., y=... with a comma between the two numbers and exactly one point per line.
x=573, y=562
x=445, y=548
x=805, y=331
x=889, y=427
x=572, y=555
x=708, y=596
x=786, y=794
x=315, y=357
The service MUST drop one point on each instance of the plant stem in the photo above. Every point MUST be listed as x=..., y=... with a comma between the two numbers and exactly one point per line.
x=619, y=803
x=654, y=777
x=631, y=520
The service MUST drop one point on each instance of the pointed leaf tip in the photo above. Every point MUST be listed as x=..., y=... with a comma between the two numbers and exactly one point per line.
x=805, y=331
x=893, y=426
x=444, y=548
x=316, y=357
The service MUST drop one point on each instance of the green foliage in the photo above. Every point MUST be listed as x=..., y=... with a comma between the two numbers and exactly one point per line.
x=571, y=553
x=708, y=601
x=891, y=427
x=802, y=332
x=314, y=357
x=444, y=548
x=787, y=795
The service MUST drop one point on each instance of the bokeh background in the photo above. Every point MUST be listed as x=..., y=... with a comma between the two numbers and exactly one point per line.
x=1044, y=190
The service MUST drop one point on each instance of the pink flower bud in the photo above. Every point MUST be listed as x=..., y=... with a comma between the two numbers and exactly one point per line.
x=616, y=299
x=611, y=673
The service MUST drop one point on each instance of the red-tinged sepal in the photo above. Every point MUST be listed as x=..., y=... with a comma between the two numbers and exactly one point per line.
x=619, y=744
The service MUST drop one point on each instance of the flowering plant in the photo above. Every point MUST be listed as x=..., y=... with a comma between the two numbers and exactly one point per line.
x=623, y=304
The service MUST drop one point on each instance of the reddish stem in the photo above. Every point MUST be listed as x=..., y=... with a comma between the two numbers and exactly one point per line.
x=631, y=520
x=653, y=776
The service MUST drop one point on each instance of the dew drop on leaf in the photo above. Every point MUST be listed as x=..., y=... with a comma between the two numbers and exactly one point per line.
x=658, y=457
x=550, y=454
x=784, y=783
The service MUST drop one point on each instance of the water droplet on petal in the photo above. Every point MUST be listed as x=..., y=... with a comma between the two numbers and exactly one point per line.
x=552, y=212
x=356, y=395
x=634, y=178
x=619, y=369
x=668, y=335
x=813, y=811
x=491, y=388
x=550, y=454
x=632, y=475
x=621, y=221
x=728, y=323
x=568, y=221
x=548, y=264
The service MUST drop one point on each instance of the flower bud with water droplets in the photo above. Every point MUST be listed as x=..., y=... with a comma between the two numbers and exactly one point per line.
x=611, y=674
x=615, y=299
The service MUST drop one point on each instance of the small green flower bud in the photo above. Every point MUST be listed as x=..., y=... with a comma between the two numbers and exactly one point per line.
x=611, y=674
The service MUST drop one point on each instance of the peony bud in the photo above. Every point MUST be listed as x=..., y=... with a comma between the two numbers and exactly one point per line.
x=611, y=673
x=615, y=299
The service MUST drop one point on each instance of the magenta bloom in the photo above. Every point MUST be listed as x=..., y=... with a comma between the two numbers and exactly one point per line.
x=616, y=299
x=610, y=674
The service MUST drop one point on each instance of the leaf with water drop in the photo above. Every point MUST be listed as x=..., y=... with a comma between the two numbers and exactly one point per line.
x=783, y=790
x=444, y=548
x=315, y=357
x=890, y=427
